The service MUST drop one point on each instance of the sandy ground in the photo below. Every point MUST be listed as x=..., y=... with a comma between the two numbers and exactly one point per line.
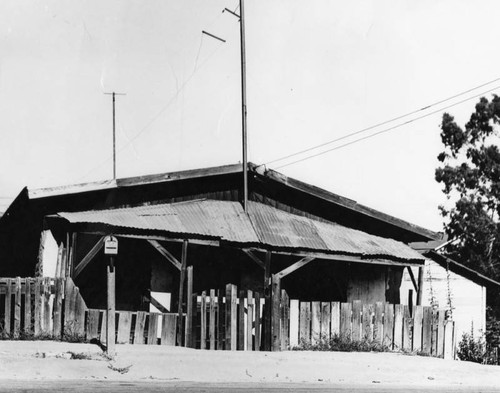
x=46, y=360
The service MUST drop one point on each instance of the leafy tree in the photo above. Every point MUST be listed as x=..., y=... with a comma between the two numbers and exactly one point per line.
x=470, y=174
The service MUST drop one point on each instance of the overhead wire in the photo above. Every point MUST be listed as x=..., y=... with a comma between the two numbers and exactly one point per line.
x=382, y=123
x=384, y=130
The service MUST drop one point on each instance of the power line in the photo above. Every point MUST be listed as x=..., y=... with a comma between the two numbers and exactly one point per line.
x=385, y=130
x=382, y=123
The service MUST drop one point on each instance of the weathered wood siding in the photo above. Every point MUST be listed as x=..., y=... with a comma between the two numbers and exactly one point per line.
x=468, y=299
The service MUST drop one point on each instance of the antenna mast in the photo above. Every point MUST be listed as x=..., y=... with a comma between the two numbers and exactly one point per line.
x=244, y=105
x=114, y=132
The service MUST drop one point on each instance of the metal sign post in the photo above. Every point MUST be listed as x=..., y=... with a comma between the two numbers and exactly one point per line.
x=111, y=249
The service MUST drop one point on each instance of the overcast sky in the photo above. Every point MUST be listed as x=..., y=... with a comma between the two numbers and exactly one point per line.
x=317, y=70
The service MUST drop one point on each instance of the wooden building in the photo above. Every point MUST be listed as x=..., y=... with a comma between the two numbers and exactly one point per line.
x=319, y=246
x=450, y=285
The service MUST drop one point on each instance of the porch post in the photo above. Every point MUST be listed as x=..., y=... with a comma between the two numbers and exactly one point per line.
x=111, y=309
x=267, y=303
x=420, y=285
x=181, y=292
x=276, y=315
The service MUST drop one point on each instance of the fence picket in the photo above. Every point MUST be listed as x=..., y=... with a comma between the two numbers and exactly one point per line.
x=345, y=320
x=258, y=327
x=47, y=317
x=427, y=330
x=221, y=332
x=305, y=323
x=17, y=307
x=285, y=318
x=57, y=308
x=38, y=306
x=378, y=327
x=294, y=323
x=407, y=326
x=388, y=325
x=335, y=319
x=8, y=306
x=398, y=326
x=211, y=322
x=241, y=321
x=440, y=333
x=315, y=322
x=367, y=330
x=325, y=320
x=153, y=328
x=124, y=325
x=417, y=328
x=140, y=323
x=356, y=320
x=434, y=333
x=28, y=326
x=249, y=320
x=92, y=324
x=168, y=329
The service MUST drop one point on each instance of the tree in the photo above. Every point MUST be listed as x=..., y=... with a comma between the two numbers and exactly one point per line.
x=470, y=174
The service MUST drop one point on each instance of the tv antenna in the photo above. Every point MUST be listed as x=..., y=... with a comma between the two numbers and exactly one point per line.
x=114, y=131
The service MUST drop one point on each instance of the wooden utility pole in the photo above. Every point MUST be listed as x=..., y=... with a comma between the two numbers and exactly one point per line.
x=241, y=17
x=114, y=131
x=111, y=249
x=244, y=104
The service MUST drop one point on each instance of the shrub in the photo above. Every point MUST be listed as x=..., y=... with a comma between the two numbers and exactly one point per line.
x=341, y=343
x=470, y=349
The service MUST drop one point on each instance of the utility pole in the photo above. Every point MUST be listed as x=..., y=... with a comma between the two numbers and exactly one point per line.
x=244, y=105
x=241, y=16
x=114, y=131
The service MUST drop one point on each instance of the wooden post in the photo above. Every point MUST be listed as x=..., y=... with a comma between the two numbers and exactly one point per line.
x=275, y=317
x=266, y=327
x=315, y=322
x=305, y=323
x=420, y=285
x=27, y=307
x=203, y=321
x=294, y=323
x=211, y=331
x=241, y=321
x=398, y=326
x=231, y=317
x=111, y=309
x=418, y=315
x=356, y=320
x=189, y=311
x=249, y=319
x=378, y=327
x=17, y=308
x=221, y=333
x=181, y=293
x=257, y=321
x=71, y=256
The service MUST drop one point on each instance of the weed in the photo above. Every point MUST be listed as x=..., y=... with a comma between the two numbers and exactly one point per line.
x=342, y=343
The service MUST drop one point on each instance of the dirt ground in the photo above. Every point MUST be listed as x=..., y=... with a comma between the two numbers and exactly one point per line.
x=47, y=360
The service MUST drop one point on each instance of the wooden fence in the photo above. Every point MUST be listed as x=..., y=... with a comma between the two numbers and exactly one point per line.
x=424, y=330
x=134, y=327
x=40, y=307
x=53, y=307
x=226, y=320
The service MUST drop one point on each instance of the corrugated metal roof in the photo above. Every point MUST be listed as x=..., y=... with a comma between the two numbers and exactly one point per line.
x=227, y=221
x=207, y=218
x=281, y=229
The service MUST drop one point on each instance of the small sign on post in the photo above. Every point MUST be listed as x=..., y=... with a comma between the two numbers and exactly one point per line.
x=111, y=249
x=110, y=245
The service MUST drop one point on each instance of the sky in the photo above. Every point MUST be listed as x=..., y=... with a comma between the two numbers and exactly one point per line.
x=317, y=70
